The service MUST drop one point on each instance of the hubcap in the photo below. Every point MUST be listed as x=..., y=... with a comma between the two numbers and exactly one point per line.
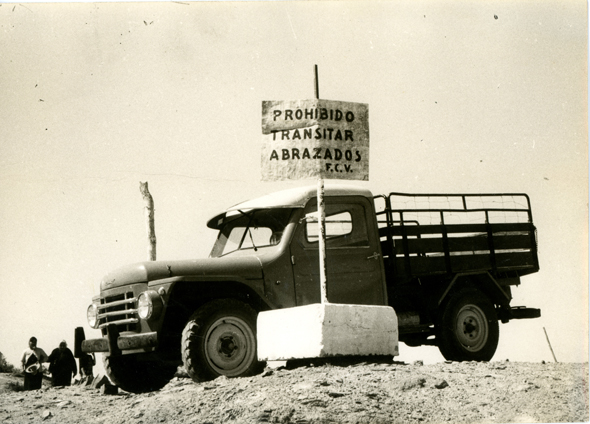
x=227, y=346
x=472, y=328
x=230, y=346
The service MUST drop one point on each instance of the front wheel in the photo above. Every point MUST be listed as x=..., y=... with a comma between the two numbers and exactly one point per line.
x=134, y=375
x=468, y=329
x=220, y=339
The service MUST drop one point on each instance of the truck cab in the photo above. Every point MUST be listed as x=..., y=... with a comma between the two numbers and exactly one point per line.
x=281, y=230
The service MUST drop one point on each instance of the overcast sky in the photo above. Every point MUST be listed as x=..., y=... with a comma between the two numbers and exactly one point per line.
x=464, y=96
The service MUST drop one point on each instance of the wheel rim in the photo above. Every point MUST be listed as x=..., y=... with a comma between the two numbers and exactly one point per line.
x=472, y=328
x=229, y=346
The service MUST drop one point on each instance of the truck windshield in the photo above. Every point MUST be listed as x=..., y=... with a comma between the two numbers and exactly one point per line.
x=251, y=231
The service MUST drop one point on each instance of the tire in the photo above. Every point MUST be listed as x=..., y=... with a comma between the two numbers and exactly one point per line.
x=220, y=339
x=468, y=328
x=135, y=376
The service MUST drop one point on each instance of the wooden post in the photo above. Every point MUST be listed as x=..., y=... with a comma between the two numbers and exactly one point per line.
x=321, y=219
x=149, y=216
x=549, y=343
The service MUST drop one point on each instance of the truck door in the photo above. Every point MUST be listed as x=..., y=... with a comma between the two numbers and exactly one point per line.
x=354, y=264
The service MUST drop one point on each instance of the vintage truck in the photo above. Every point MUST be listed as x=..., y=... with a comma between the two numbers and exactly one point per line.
x=446, y=263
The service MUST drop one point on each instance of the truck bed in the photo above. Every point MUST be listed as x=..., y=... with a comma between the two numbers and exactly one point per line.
x=432, y=234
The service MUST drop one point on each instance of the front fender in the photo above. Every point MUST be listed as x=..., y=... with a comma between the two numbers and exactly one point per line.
x=195, y=291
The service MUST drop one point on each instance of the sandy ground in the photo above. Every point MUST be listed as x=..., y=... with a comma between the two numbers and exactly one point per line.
x=362, y=392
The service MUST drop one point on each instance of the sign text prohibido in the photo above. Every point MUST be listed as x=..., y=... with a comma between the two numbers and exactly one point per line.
x=315, y=139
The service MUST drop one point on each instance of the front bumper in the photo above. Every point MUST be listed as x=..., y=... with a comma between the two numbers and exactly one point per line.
x=114, y=343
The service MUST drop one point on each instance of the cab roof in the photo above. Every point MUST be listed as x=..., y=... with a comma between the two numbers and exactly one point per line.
x=290, y=198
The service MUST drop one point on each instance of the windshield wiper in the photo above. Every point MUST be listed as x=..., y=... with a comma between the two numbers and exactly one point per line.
x=250, y=217
x=252, y=239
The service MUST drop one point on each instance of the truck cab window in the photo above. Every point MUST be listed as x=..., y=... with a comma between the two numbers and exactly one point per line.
x=345, y=226
x=336, y=226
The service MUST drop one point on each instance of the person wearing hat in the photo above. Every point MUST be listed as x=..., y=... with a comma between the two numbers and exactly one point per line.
x=62, y=365
x=32, y=361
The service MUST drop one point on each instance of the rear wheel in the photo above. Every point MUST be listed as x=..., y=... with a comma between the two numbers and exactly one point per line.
x=220, y=339
x=468, y=328
x=138, y=376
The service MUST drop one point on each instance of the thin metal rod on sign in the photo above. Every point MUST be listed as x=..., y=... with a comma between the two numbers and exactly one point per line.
x=317, y=83
x=321, y=218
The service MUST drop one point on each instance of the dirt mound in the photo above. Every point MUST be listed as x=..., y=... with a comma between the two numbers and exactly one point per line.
x=494, y=392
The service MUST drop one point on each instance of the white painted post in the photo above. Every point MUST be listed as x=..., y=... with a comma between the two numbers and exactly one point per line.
x=322, y=241
x=321, y=220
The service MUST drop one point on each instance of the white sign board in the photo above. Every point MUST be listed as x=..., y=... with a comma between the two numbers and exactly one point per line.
x=315, y=139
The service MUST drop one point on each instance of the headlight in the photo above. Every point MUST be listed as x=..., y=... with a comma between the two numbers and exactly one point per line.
x=149, y=305
x=92, y=315
x=144, y=306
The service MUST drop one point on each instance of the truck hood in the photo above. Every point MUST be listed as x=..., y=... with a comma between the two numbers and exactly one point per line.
x=244, y=267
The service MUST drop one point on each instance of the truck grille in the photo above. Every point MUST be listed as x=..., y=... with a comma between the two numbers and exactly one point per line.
x=119, y=310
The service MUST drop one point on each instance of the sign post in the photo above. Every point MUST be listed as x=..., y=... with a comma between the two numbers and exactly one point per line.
x=321, y=218
x=320, y=139
x=322, y=241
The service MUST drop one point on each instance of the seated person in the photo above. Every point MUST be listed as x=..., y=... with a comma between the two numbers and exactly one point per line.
x=275, y=239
